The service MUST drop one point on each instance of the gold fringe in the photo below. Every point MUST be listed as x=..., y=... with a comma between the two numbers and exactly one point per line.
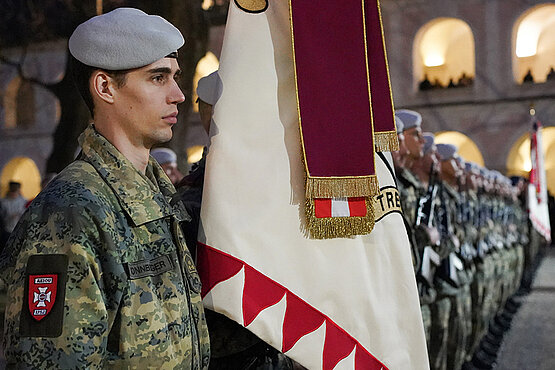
x=386, y=141
x=336, y=187
x=338, y=227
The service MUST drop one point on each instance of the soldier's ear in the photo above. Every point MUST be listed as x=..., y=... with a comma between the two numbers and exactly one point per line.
x=102, y=86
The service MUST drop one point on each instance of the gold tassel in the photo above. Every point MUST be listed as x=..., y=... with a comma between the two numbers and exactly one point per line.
x=386, y=141
x=338, y=227
x=336, y=187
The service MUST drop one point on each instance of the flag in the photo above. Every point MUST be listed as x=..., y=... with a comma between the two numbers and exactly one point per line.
x=538, y=208
x=335, y=303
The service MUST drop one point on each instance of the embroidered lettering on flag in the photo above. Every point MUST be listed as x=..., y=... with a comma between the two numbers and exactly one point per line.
x=42, y=294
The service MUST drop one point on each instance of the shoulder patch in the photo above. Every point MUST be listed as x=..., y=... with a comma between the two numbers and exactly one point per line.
x=43, y=302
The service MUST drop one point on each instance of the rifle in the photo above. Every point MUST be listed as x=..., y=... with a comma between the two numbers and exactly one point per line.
x=425, y=219
x=449, y=265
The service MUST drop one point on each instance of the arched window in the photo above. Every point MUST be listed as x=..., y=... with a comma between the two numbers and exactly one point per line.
x=534, y=45
x=208, y=64
x=443, y=54
x=22, y=170
x=466, y=148
x=519, y=163
x=19, y=104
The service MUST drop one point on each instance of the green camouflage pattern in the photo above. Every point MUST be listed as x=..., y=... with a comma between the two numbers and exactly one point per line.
x=103, y=214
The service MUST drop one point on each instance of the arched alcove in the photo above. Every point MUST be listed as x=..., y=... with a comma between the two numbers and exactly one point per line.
x=22, y=170
x=534, y=44
x=519, y=163
x=19, y=103
x=208, y=64
x=443, y=51
x=466, y=148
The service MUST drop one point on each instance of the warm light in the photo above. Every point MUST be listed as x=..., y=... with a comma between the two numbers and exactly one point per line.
x=527, y=165
x=194, y=153
x=444, y=50
x=24, y=171
x=208, y=64
x=206, y=4
x=434, y=60
x=527, y=39
x=466, y=148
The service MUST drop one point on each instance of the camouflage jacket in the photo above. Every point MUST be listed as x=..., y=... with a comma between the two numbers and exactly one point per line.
x=125, y=293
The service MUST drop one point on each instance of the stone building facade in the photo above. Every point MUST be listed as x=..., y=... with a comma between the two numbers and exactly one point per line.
x=476, y=37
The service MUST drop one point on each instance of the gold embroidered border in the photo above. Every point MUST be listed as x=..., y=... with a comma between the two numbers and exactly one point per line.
x=386, y=141
x=386, y=66
x=330, y=187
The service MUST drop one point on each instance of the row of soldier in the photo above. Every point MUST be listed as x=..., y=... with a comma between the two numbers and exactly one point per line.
x=469, y=234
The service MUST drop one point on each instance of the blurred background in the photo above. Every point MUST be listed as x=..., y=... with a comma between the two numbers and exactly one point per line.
x=475, y=70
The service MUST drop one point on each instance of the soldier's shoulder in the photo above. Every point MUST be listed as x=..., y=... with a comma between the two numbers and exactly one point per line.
x=77, y=185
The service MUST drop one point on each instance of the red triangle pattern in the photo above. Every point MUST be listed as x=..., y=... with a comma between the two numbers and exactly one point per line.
x=259, y=293
x=300, y=320
x=364, y=360
x=215, y=267
x=337, y=346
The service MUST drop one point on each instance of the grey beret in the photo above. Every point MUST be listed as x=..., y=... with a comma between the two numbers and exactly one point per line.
x=399, y=125
x=446, y=151
x=163, y=155
x=124, y=38
x=428, y=141
x=410, y=118
x=209, y=88
x=471, y=167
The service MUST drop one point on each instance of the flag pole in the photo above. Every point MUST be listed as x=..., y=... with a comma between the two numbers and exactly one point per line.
x=98, y=7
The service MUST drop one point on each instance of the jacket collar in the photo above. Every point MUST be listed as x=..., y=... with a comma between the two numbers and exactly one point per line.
x=144, y=198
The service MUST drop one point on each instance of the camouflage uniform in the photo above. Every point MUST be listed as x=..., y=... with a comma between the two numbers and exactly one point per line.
x=132, y=294
x=460, y=325
x=410, y=190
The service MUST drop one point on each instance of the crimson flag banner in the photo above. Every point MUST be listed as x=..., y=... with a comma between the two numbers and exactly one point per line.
x=538, y=208
x=333, y=303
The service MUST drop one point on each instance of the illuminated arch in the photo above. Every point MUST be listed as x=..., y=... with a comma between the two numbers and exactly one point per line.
x=534, y=43
x=466, y=148
x=518, y=161
x=19, y=103
x=443, y=50
x=208, y=64
x=24, y=171
x=9, y=102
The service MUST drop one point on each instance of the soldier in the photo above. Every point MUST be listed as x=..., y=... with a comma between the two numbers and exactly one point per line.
x=411, y=191
x=456, y=275
x=167, y=159
x=428, y=170
x=98, y=272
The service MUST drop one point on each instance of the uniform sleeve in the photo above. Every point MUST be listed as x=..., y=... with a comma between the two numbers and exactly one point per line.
x=81, y=341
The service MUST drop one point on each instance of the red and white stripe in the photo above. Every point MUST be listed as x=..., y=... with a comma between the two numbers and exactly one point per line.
x=340, y=207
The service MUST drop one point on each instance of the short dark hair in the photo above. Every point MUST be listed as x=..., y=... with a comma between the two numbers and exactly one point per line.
x=82, y=73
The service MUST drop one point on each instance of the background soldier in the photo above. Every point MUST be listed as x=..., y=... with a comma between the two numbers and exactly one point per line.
x=453, y=270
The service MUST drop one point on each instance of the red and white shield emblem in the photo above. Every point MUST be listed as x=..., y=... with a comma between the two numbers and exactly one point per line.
x=42, y=294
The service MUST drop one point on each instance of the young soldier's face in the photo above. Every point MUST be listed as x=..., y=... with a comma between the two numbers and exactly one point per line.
x=414, y=142
x=147, y=103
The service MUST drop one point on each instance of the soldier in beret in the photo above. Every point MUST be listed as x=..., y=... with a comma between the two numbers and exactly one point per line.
x=98, y=272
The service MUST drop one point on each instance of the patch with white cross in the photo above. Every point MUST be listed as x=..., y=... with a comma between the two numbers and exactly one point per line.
x=44, y=295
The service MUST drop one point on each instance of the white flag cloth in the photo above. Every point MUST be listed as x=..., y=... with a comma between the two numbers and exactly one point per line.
x=538, y=208
x=345, y=303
